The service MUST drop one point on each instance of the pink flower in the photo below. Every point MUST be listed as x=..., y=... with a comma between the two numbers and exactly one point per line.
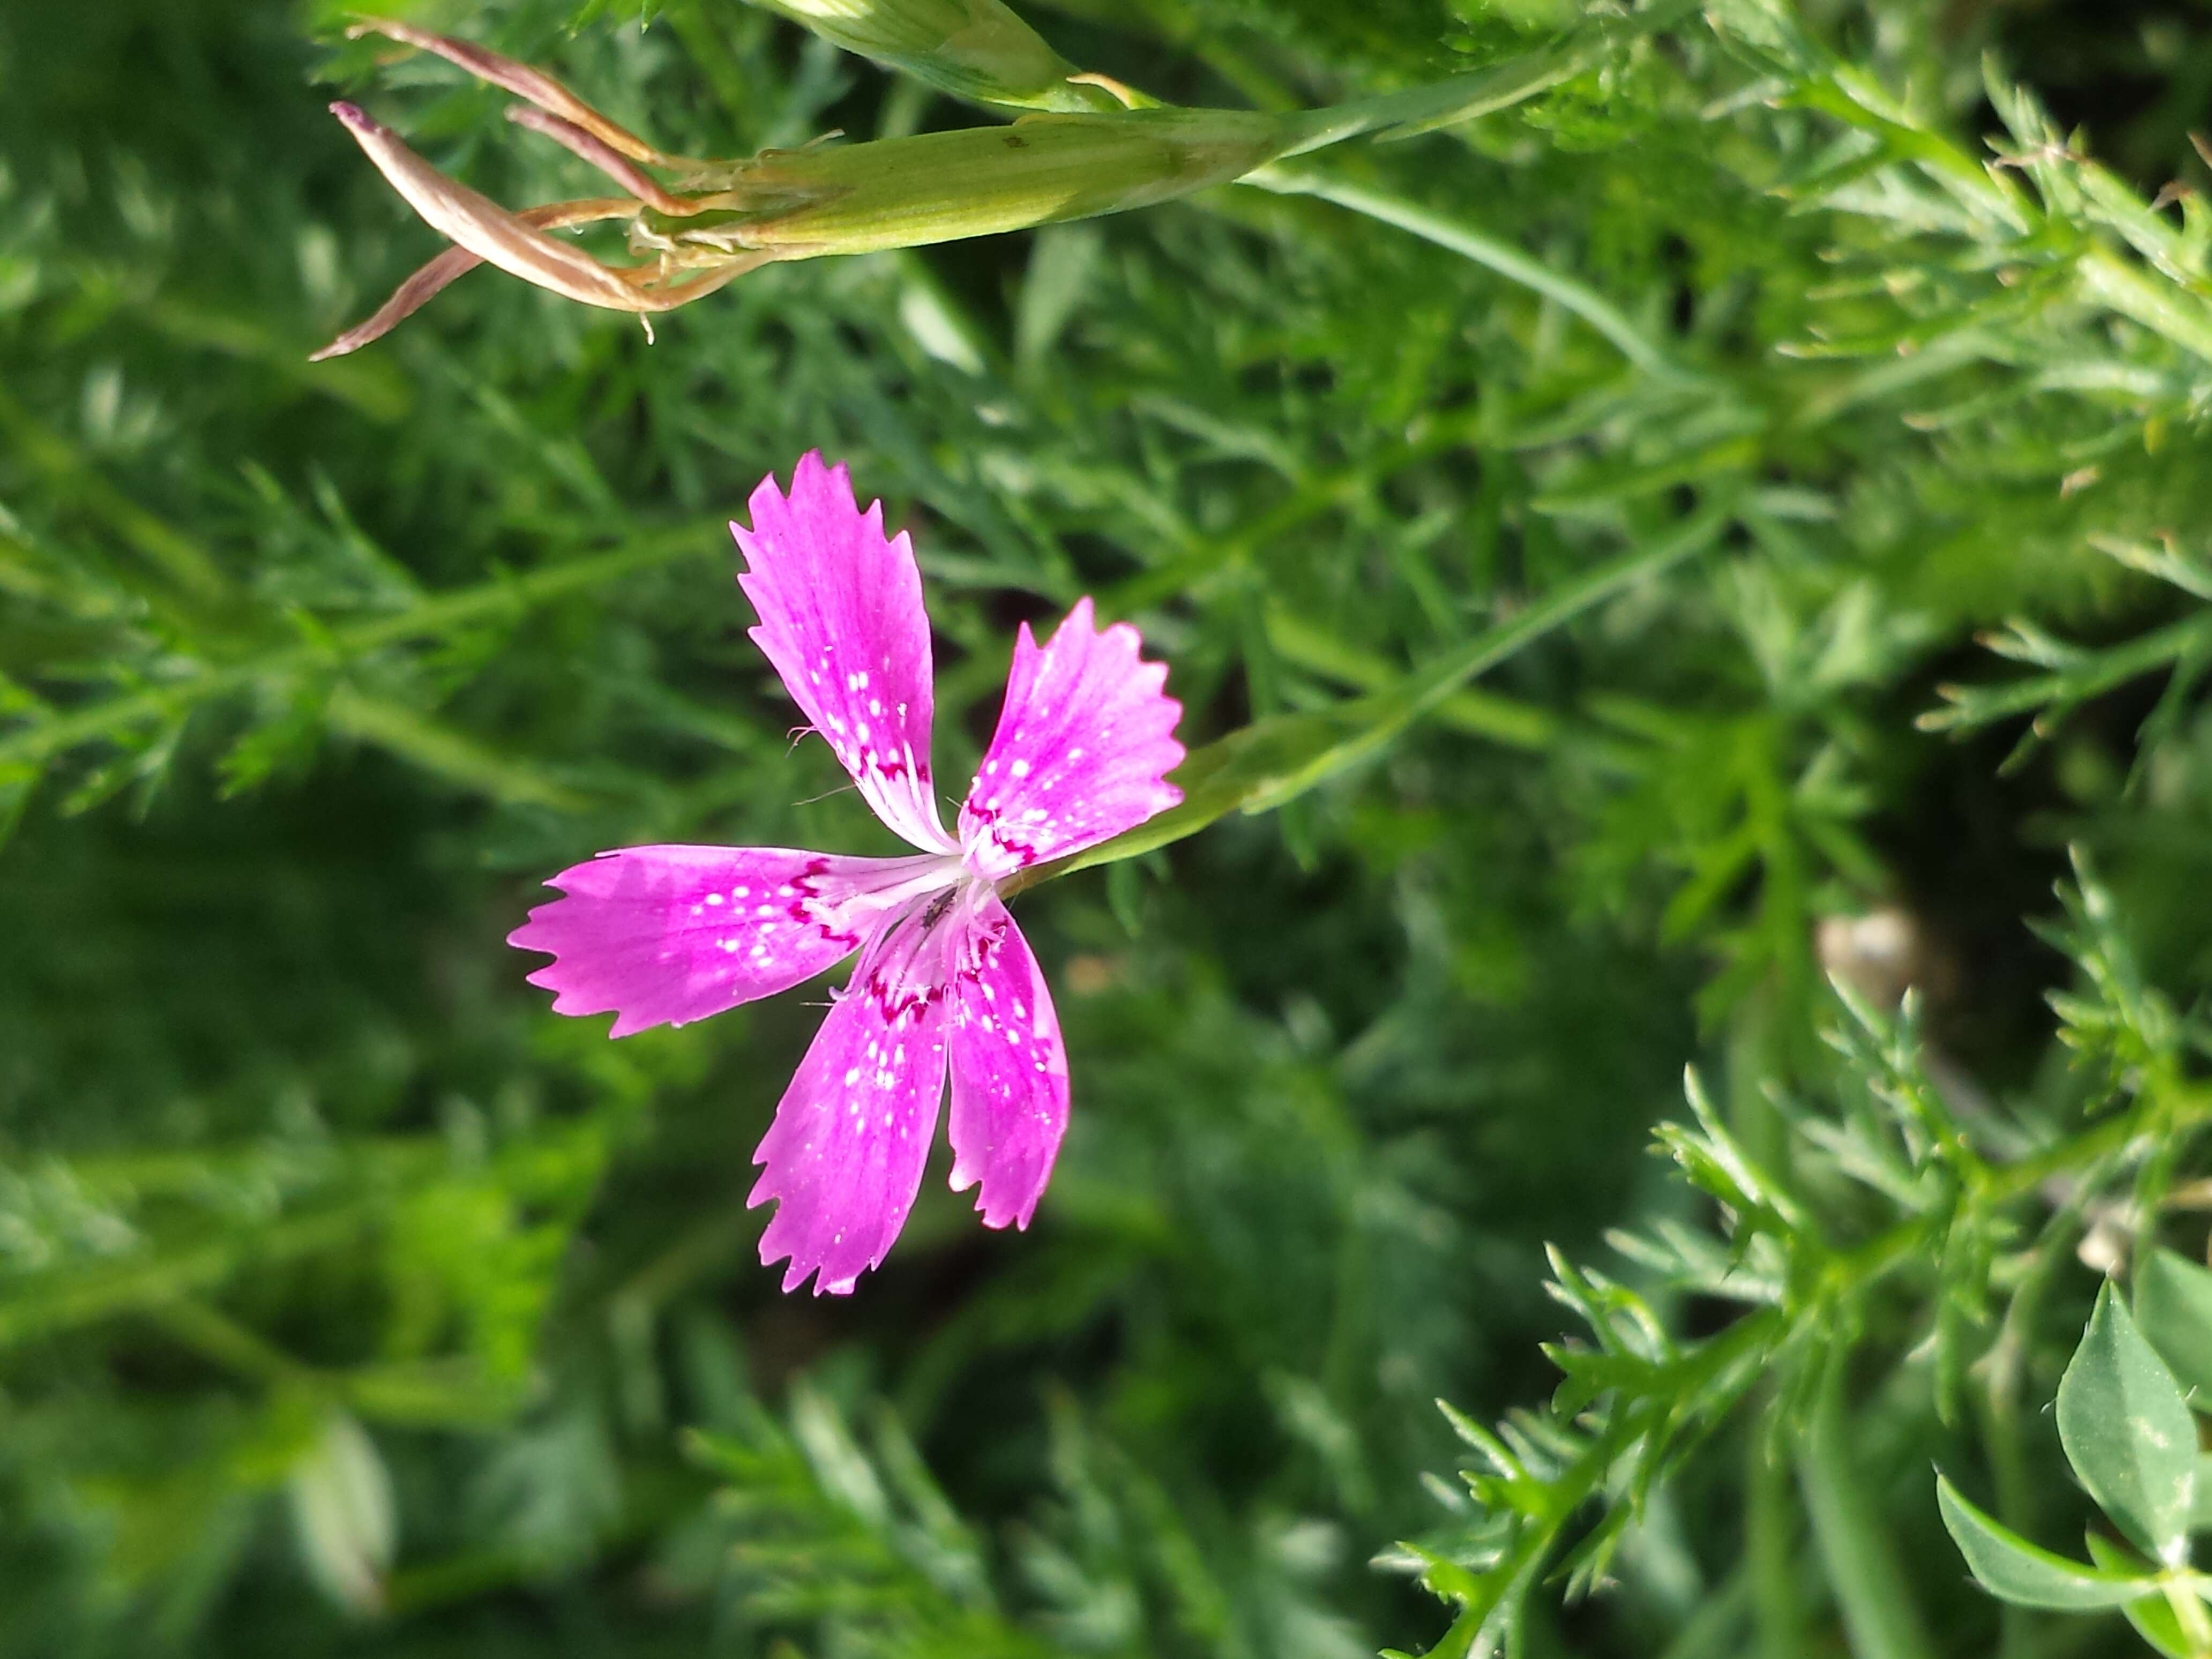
x=664, y=935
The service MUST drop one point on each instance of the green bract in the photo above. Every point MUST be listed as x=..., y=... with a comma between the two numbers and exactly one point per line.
x=980, y=181
x=1088, y=147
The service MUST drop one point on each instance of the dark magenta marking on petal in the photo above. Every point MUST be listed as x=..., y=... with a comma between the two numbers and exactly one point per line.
x=1009, y=1089
x=666, y=935
x=1083, y=745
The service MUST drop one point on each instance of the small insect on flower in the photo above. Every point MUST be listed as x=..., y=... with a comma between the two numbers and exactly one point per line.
x=945, y=981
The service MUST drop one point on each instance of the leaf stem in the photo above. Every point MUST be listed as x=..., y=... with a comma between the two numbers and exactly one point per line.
x=1486, y=250
x=1263, y=765
x=40, y=741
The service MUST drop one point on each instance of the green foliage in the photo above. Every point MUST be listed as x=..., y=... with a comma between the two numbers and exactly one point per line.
x=2019, y=1572
x=2131, y=1441
x=1708, y=512
x=2127, y=1433
x=1821, y=1272
x=2174, y=1305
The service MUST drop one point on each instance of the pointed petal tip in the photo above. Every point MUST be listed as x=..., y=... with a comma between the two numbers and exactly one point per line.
x=795, y=1275
x=818, y=484
x=658, y=934
x=1085, y=738
x=990, y=1209
x=355, y=118
x=842, y=623
x=844, y=1169
x=1000, y=1216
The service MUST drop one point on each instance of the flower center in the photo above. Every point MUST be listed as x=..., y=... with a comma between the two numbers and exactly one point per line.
x=907, y=965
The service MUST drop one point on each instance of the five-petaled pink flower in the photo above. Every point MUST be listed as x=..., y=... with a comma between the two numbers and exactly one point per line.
x=664, y=935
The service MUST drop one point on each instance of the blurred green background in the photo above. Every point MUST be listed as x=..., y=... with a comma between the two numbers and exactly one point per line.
x=352, y=1303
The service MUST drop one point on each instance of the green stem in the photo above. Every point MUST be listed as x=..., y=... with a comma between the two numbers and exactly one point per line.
x=1862, y=1570
x=1777, y=1608
x=2106, y=671
x=2162, y=307
x=41, y=740
x=218, y=1337
x=1269, y=762
x=2189, y=1612
x=188, y=568
x=1428, y=688
x=1304, y=644
x=1464, y=97
x=1488, y=252
x=438, y=749
x=41, y=1305
x=2004, y=1373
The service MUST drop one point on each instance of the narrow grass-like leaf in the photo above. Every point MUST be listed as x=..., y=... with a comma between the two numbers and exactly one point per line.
x=1859, y=1554
x=1274, y=761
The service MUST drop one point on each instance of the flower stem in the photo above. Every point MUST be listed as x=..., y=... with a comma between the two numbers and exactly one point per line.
x=1502, y=258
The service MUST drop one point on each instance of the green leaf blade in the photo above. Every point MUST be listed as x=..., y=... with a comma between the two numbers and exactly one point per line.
x=2173, y=1305
x=2129, y=1432
x=2027, y=1574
